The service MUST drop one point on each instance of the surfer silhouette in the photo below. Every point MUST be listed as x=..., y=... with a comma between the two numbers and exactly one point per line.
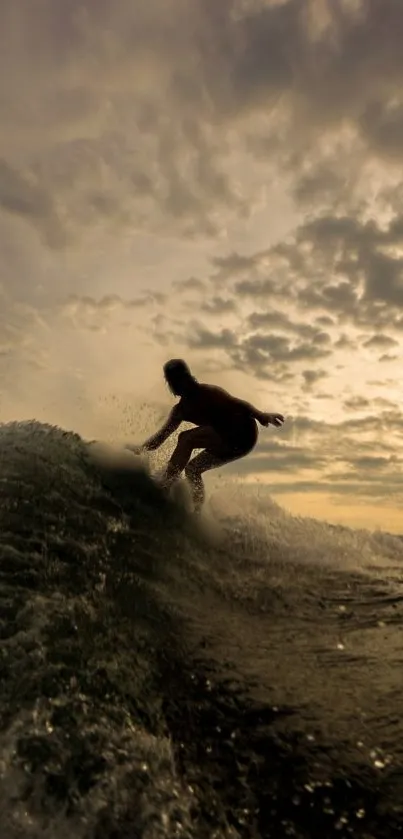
x=226, y=428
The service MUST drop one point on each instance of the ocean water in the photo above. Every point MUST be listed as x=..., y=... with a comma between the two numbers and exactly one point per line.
x=162, y=677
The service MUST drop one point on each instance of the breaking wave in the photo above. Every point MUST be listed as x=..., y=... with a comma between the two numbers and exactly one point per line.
x=162, y=678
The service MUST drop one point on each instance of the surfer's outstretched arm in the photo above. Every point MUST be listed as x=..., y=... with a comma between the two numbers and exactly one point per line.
x=172, y=423
x=262, y=417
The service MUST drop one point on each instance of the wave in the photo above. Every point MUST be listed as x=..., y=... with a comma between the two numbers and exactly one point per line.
x=162, y=679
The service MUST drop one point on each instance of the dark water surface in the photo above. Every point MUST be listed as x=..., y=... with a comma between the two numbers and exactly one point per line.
x=162, y=681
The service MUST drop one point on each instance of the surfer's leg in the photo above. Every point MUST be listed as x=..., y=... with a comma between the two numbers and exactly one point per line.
x=202, y=463
x=218, y=452
x=195, y=438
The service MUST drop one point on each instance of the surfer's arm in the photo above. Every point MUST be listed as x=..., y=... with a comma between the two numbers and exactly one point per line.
x=221, y=398
x=250, y=409
x=270, y=419
x=172, y=423
x=260, y=416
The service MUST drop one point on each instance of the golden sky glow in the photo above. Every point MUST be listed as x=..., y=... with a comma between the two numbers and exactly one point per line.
x=219, y=181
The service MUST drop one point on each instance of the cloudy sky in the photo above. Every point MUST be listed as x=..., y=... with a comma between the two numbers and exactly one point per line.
x=220, y=181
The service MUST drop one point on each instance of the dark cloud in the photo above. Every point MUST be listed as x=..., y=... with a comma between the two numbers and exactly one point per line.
x=25, y=197
x=345, y=432
x=369, y=462
x=345, y=269
x=260, y=289
x=277, y=457
x=202, y=338
x=218, y=306
x=348, y=464
x=381, y=342
x=100, y=112
x=352, y=251
x=95, y=313
x=385, y=403
x=191, y=284
x=386, y=358
x=266, y=356
x=278, y=348
x=320, y=185
x=356, y=403
x=364, y=490
x=123, y=111
x=311, y=377
x=324, y=320
x=345, y=342
x=234, y=264
x=350, y=71
x=282, y=322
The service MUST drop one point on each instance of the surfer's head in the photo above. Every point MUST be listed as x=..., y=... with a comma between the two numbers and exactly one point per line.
x=178, y=377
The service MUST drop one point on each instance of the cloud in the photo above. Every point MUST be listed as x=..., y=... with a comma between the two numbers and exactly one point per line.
x=234, y=263
x=386, y=358
x=190, y=284
x=291, y=301
x=281, y=321
x=346, y=459
x=218, y=306
x=311, y=377
x=94, y=314
x=202, y=338
x=24, y=347
x=349, y=458
x=381, y=342
x=348, y=69
x=102, y=116
x=262, y=354
x=132, y=114
x=137, y=107
x=23, y=196
x=343, y=268
x=356, y=403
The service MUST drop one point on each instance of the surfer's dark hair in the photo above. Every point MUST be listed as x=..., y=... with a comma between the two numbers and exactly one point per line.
x=178, y=376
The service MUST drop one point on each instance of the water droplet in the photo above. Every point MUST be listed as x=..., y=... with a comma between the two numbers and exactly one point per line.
x=341, y=823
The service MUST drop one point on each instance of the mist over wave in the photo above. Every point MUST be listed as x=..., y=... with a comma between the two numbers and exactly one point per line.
x=162, y=678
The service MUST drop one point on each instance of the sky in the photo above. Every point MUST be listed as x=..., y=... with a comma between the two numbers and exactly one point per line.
x=219, y=181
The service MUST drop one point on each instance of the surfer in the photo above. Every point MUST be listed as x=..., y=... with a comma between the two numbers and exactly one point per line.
x=226, y=428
